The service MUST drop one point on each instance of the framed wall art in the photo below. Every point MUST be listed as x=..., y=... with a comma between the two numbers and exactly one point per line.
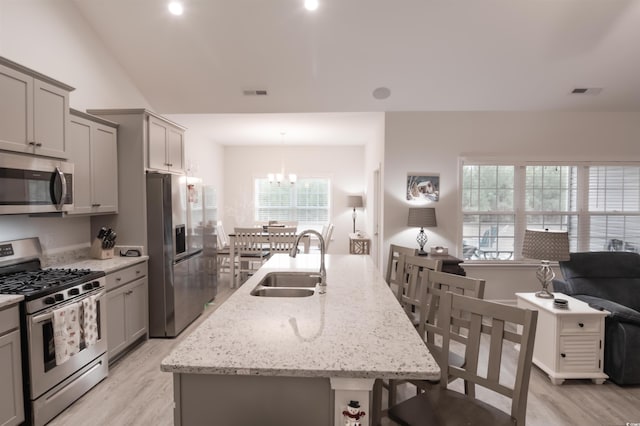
x=423, y=187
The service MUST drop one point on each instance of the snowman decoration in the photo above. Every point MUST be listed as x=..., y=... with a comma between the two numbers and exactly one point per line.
x=353, y=414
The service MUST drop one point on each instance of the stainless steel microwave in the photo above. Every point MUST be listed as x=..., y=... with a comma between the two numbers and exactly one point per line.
x=35, y=185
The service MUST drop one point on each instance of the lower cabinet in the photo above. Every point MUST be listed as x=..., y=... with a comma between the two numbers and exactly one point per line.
x=11, y=402
x=127, y=308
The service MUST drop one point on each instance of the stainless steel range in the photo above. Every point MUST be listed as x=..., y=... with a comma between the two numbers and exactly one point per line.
x=50, y=386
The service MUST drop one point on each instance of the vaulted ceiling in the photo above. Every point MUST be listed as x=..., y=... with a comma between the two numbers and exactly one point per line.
x=432, y=55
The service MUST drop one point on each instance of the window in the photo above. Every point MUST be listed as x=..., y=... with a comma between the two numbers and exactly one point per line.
x=598, y=205
x=306, y=201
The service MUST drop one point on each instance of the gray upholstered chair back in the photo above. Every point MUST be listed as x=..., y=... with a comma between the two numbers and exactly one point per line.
x=609, y=275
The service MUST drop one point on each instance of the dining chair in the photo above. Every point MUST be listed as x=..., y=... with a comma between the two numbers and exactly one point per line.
x=249, y=251
x=411, y=294
x=281, y=239
x=326, y=235
x=223, y=252
x=467, y=321
x=392, y=278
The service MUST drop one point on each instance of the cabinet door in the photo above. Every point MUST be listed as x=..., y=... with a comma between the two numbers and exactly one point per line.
x=50, y=114
x=79, y=150
x=157, y=148
x=104, y=167
x=116, y=332
x=175, y=149
x=136, y=308
x=16, y=110
x=11, y=408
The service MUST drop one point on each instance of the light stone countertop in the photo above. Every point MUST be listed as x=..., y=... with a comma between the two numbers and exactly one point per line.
x=9, y=299
x=356, y=330
x=107, y=265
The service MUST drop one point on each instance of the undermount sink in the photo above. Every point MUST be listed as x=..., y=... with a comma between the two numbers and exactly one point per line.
x=282, y=292
x=290, y=279
x=287, y=284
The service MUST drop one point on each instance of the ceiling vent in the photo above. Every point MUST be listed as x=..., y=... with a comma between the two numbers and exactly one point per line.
x=255, y=92
x=586, y=91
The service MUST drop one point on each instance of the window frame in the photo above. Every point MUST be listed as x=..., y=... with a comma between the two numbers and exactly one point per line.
x=582, y=212
x=293, y=207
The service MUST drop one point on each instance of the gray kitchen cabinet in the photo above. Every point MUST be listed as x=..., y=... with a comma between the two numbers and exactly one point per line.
x=166, y=146
x=127, y=308
x=34, y=110
x=133, y=161
x=11, y=402
x=93, y=148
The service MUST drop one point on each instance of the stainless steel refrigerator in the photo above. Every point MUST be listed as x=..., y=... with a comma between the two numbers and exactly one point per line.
x=179, y=282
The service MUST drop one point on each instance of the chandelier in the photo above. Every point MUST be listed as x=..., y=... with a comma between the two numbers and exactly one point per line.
x=278, y=178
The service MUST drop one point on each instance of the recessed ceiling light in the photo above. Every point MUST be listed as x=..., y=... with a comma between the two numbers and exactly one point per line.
x=382, y=93
x=175, y=7
x=311, y=4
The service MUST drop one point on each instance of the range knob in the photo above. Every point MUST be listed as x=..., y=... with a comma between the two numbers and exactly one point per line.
x=87, y=286
x=74, y=292
x=49, y=300
x=96, y=284
x=59, y=297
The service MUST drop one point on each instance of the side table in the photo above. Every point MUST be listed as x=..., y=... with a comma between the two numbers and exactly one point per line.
x=450, y=264
x=359, y=243
x=569, y=342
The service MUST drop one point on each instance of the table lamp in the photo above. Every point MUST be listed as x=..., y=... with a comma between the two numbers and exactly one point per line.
x=545, y=245
x=354, y=201
x=422, y=217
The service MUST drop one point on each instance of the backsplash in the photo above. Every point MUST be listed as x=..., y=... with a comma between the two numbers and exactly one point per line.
x=70, y=256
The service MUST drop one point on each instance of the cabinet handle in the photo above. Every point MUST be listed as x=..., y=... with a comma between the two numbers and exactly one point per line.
x=38, y=144
x=170, y=164
x=580, y=324
x=563, y=355
x=119, y=279
x=95, y=205
x=32, y=143
x=137, y=272
x=127, y=293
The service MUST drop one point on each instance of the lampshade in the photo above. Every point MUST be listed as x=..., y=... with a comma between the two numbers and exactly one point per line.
x=422, y=217
x=545, y=245
x=354, y=201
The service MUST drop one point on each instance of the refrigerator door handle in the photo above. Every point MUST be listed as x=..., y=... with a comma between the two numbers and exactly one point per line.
x=187, y=257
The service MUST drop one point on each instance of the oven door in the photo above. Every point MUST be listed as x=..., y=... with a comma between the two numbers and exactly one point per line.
x=35, y=185
x=43, y=371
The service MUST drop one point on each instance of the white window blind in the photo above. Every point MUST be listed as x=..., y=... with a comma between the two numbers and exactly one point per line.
x=614, y=208
x=598, y=205
x=306, y=201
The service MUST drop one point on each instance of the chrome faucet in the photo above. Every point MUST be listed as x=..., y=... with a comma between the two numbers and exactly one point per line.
x=323, y=271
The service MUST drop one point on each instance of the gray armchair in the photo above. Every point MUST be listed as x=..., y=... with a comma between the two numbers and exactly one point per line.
x=610, y=281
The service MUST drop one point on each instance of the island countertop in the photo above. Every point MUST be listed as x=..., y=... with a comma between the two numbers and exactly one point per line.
x=356, y=330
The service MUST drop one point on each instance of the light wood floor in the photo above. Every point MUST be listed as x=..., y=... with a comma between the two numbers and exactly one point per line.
x=138, y=393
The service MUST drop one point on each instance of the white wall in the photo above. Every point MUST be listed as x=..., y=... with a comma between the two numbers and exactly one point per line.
x=204, y=157
x=374, y=160
x=344, y=165
x=52, y=38
x=434, y=141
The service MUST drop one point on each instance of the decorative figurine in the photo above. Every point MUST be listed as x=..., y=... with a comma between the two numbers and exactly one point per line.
x=352, y=414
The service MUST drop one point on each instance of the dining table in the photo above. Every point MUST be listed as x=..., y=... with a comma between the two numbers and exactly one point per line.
x=263, y=238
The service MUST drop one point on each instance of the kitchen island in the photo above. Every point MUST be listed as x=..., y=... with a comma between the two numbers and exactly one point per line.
x=297, y=360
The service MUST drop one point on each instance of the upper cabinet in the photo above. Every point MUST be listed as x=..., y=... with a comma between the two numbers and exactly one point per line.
x=92, y=147
x=166, y=146
x=34, y=111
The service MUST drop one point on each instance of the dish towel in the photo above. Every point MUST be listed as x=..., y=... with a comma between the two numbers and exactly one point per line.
x=66, y=332
x=89, y=321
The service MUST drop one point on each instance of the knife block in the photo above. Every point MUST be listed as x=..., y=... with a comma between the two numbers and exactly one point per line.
x=97, y=252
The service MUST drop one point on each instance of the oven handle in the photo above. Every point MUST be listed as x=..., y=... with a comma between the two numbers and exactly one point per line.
x=49, y=315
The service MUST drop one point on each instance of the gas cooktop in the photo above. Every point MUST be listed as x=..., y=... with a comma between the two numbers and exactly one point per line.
x=41, y=282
